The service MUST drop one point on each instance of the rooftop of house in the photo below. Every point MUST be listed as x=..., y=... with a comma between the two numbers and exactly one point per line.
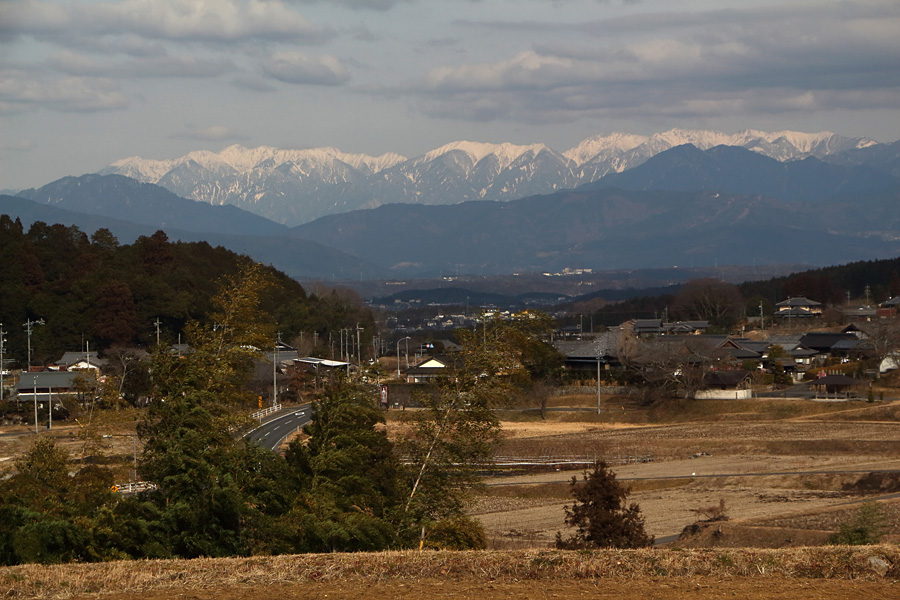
x=798, y=301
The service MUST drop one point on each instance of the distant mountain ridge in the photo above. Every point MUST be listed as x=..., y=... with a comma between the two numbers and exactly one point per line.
x=91, y=202
x=601, y=228
x=123, y=198
x=297, y=186
x=736, y=170
x=605, y=229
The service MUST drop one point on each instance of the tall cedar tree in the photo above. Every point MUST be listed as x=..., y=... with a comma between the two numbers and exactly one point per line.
x=200, y=506
x=348, y=474
x=48, y=515
x=600, y=516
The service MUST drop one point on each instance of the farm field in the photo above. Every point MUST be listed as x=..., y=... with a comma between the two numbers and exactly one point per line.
x=773, y=474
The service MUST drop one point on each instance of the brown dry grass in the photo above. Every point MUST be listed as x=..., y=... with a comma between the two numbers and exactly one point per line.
x=66, y=581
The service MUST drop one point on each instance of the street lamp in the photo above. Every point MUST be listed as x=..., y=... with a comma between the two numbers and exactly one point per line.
x=275, y=372
x=398, y=354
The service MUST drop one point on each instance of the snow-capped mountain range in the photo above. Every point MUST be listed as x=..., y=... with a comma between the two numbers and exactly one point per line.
x=297, y=186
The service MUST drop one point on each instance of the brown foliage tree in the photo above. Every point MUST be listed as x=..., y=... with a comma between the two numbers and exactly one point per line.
x=710, y=300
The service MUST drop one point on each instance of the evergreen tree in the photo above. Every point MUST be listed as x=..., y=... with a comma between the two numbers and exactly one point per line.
x=600, y=516
x=49, y=516
x=348, y=474
x=200, y=507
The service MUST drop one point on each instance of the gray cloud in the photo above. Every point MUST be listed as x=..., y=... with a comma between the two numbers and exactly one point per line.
x=213, y=133
x=20, y=90
x=297, y=68
x=154, y=66
x=221, y=21
x=252, y=83
x=378, y=5
x=717, y=63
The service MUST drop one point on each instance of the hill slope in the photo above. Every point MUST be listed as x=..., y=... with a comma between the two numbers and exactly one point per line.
x=607, y=229
x=298, y=258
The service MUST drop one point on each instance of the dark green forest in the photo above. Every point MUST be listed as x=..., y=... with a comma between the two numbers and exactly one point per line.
x=94, y=291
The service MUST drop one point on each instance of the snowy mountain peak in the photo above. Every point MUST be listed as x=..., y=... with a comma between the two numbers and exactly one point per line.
x=780, y=145
x=506, y=153
x=599, y=144
x=243, y=160
x=295, y=186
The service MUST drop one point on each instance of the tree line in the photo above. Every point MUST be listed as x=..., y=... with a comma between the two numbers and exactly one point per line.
x=724, y=305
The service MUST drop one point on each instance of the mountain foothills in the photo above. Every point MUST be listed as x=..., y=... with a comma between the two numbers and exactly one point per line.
x=94, y=288
x=125, y=199
x=611, y=229
x=298, y=186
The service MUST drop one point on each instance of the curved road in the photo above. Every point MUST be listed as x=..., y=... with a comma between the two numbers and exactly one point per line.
x=275, y=428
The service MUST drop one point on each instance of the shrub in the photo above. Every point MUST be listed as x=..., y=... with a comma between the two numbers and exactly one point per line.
x=865, y=530
x=600, y=515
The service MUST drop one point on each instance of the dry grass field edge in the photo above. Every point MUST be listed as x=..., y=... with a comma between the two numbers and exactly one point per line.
x=874, y=563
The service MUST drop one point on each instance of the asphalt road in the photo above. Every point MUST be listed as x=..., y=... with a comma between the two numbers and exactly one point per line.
x=276, y=427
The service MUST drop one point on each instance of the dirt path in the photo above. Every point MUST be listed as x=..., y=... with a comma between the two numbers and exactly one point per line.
x=671, y=588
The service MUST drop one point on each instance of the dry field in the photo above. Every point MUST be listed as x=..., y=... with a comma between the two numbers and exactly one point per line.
x=774, y=463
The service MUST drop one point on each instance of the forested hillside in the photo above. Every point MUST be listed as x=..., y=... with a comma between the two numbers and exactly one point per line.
x=829, y=285
x=97, y=291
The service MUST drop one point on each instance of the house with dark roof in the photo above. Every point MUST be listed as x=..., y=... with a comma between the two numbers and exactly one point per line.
x=726, y=385
x=71, y=361
x=892, y=303
x=584, y=355
x=52, y=386
x=889, y=308
x=647, y=327
x=836, y=386
x=685, y=327
x=823, y=342
x=860, y=313
x=799, y=307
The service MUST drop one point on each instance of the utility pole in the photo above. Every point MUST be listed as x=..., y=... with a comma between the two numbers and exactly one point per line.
x=358, y=352
x=762, y=320
x=34, y=384
x=599, y=399
x=2, y=371
x=28, y=327
x=157, y=323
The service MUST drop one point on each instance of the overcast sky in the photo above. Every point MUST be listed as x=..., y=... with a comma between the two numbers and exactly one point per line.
x=84, y=83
